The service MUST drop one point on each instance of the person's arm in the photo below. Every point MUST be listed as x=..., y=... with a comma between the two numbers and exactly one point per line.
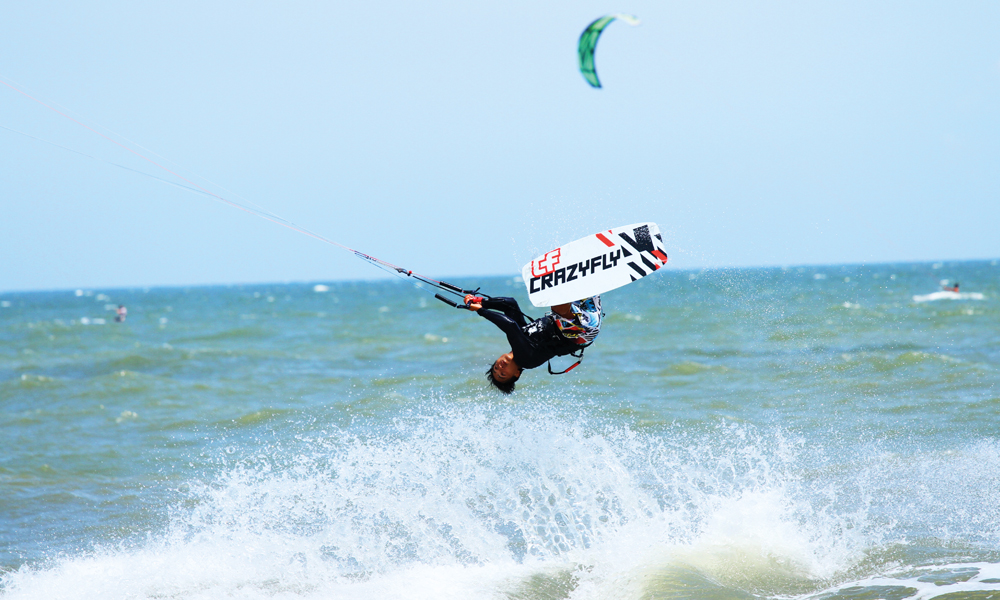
x=508, y=306
x=505, y=323
x=525, y=354
x=509, y=321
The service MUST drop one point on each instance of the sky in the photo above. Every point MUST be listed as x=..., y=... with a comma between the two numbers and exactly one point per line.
x=459, y=138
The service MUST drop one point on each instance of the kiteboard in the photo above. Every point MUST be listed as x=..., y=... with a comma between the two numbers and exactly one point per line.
x=595, y=264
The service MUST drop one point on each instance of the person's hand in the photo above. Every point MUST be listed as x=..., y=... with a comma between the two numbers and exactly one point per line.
x=469, y=298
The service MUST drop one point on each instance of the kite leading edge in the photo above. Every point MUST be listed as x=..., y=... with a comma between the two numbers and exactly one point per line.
x=588, y=43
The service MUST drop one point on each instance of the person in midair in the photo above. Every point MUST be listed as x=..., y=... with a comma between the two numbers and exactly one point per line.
x=567, y=329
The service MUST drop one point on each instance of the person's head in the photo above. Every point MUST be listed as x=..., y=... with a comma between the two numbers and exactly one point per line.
x=503, y=373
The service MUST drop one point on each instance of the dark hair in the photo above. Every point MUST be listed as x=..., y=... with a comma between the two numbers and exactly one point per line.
x=506, y=387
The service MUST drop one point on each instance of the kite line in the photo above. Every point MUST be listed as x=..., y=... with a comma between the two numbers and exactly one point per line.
x=254, y=210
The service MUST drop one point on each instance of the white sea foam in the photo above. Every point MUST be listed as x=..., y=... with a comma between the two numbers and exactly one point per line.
x=928, y=581
x=90, y=321
x=945, y=295
x=493, y=504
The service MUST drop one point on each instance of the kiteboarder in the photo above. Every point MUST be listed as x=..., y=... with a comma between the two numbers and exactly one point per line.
x=568, y=329
x=120, y=313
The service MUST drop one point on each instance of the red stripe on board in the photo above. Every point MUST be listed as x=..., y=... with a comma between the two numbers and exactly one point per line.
x=606, y=241
x=661, y=256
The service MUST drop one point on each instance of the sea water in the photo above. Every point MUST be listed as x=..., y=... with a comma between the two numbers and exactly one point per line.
x=807, y=432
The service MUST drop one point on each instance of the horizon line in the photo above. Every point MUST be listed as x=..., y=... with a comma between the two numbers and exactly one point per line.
x=388, y=277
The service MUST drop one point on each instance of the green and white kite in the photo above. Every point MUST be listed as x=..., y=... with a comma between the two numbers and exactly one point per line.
x=588, y=43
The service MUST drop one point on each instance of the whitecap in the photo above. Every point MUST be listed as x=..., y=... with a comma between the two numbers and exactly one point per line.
x=945, y=295
x=126, y=415
x=473, y=505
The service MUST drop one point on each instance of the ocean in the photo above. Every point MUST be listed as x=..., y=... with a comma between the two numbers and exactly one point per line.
x=822, y=433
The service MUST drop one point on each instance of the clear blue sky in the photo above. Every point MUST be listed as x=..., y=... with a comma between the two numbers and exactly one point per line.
x=458, y=138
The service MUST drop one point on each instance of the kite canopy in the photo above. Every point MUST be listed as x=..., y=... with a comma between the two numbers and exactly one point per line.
x=588, y=43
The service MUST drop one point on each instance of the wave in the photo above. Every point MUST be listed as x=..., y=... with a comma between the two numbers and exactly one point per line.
x=959, y=581
x=943, y=295
x=519, y=501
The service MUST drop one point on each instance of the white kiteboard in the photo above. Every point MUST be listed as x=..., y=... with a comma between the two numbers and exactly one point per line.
x=595, y=264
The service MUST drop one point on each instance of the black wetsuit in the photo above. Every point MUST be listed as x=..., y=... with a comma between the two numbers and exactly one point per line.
x=534, y=343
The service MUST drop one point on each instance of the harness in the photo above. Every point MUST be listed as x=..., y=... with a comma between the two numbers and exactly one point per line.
x=554, y=341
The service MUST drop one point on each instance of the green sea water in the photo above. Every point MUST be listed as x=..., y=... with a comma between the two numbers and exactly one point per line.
x=808, y=432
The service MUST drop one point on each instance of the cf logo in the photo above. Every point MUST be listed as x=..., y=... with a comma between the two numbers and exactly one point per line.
x=546, y=264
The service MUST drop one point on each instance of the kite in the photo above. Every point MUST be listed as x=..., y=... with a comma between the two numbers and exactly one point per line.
x=588, y=43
